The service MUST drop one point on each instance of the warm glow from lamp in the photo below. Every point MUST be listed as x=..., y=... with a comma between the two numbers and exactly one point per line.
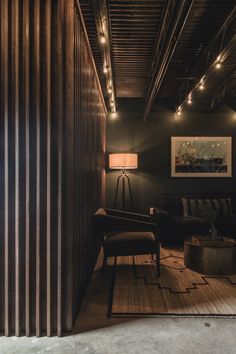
x=218, y=65
x=123, y=161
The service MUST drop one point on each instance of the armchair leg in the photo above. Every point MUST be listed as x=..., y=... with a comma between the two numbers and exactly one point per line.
x=104, y=263
x=158, y=262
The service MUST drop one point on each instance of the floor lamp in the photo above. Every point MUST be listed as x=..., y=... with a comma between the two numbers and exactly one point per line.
x=123, y=162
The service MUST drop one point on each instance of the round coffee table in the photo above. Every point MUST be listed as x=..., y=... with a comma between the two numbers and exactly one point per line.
x=210, y=257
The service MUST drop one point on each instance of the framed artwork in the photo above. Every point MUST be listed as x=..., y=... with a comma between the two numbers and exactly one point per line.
x=200, y=156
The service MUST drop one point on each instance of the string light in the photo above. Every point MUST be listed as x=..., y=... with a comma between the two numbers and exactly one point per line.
x=103, y=36
x=179, y=110
x=218, y=65
x=105, y=70
x=201, y=86
x=189, y=99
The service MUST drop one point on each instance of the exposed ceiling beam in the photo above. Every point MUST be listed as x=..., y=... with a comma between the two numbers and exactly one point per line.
x=223, y=44
x=173, y=22
x=103, y=27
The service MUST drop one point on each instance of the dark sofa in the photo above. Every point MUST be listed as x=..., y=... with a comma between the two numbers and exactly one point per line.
x=174, y=226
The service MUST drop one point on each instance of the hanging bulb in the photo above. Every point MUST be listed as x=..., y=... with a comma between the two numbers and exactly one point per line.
x=189, y=99
x=102, y=38
x=201, y=86
x=179, y=111
x=105, y=70
x=218, y=65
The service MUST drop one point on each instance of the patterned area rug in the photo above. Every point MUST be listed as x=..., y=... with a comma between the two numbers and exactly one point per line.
x=178, y=292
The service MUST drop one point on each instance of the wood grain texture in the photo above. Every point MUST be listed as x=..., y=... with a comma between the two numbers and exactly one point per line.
x=52, y=132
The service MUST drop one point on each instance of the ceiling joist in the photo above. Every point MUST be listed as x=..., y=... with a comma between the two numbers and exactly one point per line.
x=173, y=22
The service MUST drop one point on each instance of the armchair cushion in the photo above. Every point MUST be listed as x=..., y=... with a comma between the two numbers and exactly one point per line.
x=125, y=233
x=129, y=243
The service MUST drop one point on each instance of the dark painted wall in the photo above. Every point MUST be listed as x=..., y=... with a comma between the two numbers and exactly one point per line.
x=151, y=140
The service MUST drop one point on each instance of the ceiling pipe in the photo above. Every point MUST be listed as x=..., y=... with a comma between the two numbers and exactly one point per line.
x=168, y=48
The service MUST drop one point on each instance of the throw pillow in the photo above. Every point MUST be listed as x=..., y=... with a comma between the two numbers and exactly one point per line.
x=221, y=206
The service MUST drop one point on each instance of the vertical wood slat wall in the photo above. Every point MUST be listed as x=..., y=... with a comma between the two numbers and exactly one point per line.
x=52, y=142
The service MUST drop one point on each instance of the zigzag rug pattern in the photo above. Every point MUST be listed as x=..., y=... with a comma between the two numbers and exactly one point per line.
x=178, y=292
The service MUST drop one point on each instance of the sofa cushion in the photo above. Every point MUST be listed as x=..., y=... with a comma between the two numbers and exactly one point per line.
x=221, y=206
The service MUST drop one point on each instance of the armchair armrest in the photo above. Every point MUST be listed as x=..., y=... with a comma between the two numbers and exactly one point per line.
x=128, y=215
x=157, y=211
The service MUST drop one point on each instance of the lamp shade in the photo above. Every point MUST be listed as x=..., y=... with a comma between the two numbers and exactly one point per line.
x=126, y=161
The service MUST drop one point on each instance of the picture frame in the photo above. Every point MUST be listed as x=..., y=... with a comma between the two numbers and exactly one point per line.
x=200, y=156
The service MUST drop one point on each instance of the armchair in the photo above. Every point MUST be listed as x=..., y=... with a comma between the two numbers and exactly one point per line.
x=125, y=233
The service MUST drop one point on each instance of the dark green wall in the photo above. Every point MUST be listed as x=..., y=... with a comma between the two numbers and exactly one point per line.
x=151, y=140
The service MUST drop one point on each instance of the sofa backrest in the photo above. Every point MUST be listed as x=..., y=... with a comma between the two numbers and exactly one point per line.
x=173, y=205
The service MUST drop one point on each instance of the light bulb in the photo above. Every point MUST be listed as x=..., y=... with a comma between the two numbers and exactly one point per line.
x=189, y=99
x=105, y=70
x=102, y=38
x=109, y=90
x=179, y=110
x=201, y=86
x=218, y=65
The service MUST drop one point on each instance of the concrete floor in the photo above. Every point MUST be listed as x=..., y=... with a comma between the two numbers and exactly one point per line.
x=95, y=334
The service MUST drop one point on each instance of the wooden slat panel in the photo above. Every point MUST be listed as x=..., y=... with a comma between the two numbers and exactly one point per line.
x=25, y=90
x=15, y=112
x=4, y=103
x=51, y=132
x=57, y=89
